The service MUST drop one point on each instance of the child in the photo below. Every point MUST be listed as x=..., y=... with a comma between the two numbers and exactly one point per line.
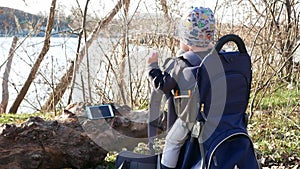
x=196, y=32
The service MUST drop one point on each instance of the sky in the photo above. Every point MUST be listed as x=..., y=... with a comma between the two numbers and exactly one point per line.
x=31, y=6
x=43, y=6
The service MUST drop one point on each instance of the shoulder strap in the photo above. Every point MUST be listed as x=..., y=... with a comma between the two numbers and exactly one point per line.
x=179, y=64
x=192, y=58
x=167, y=61
x=186, y=61
x=188, y=58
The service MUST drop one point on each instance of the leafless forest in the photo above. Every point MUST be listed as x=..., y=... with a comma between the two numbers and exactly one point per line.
x=269, y=28
x=108, y=63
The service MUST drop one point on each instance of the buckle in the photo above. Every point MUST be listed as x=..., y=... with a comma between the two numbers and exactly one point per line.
x=196, y=129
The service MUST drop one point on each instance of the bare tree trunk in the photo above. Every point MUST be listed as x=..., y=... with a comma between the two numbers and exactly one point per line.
x=86, y=51
x=123, y=56
x=50, y=104
x=23, y=92
x=289, y=44
x=121, y=80
x=5, y=92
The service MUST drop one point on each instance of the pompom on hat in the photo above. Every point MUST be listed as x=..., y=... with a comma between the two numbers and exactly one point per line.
x=197, y=27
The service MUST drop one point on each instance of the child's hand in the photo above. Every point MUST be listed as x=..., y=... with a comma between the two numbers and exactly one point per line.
x=153, y=58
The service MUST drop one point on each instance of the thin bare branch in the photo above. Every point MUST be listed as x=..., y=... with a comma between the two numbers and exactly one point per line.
x=46, y=46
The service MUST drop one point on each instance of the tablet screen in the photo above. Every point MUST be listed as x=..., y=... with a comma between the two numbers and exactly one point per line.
x=100, y=111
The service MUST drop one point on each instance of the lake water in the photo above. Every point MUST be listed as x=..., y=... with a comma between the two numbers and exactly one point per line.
x=56, y=62
x=52, y=68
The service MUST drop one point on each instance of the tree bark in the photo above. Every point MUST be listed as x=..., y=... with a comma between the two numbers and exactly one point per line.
x=31, y=77
x=5, y=92
x=50, y=104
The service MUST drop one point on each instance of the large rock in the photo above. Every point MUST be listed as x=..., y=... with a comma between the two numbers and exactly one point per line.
x=71, y=140
x=48, y=144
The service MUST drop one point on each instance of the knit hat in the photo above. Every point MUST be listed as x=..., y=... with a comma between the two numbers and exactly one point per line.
x=197, y=27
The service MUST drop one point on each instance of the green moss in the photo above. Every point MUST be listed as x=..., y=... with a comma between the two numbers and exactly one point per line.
x=16, y=118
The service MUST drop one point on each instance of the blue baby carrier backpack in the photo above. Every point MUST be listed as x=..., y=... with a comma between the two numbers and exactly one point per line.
x=219, y=137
